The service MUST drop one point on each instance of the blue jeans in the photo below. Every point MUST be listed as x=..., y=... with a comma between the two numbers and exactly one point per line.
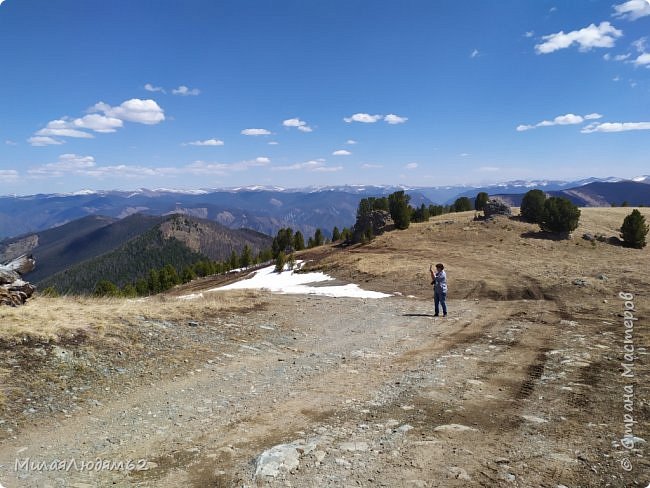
x=439, y=298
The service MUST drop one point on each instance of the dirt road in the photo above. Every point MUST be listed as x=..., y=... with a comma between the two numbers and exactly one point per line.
x=355, y=392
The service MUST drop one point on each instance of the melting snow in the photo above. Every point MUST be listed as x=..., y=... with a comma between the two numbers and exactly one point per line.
x=289, y=282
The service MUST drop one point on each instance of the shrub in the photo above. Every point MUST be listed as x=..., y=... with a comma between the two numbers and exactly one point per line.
x=634, y=230
x=532, y=206
x=559, y=215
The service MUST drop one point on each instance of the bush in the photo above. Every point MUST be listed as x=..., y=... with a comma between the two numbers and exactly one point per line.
x=280, y=261
x=634, y=230
x=559, y=215
x=532, y=206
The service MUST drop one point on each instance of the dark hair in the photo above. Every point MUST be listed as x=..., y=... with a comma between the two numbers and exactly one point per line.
x=440, y=266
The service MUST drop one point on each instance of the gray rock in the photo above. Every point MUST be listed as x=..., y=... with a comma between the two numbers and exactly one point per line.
x=496, y=207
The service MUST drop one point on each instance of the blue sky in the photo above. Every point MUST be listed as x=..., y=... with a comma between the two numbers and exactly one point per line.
x=208, y=94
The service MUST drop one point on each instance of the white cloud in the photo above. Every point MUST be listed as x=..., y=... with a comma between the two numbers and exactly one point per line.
x=632, y=9
x=256, y=132
x=341, y=152
x=8, y=174
x=62, y=128
x=98, y=123
x=207, y=168
x=474, y=53
x=567, y=119
x=603, y=35
x=273, y=143
x=327, y=169
x=529, y=34
x=362, y=117
x=314, y=165
x=126, y=171
x=643, y=60
x=185, y=91
x=207, y=142
x=134, y=110
x=615, y=127
x=350, y=141
x=371, y=166
x=464, y=155
x=395, y=119
x=43, y=141
x=301, y=125
x=67, y=163
x=640, y=44
x=9, y=142
x=149, y=87
x=411, y=166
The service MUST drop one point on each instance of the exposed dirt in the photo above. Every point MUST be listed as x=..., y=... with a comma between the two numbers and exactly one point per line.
x=522, y=385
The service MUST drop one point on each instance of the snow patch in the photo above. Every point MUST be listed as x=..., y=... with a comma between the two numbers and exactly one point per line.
x=290, y=282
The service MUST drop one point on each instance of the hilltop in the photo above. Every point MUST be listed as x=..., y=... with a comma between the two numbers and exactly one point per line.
x=520, y=385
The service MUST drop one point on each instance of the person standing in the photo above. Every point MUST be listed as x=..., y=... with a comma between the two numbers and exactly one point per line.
x=439, y=282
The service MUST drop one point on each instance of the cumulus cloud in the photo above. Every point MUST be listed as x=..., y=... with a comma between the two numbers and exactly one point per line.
x=411, y=166
x=474, y=53
x=301, y=125
x=567, y=119
x=350, y=141
x=371, y=166
x=62, y=128
x=341, y=152
x=149, y=87
x=273, y=143
x=632, y=9
x=615, y=127
x=395, y=119
x=207, y=142
x=185, y=91
x=256, y=132
x=362, y=117
x=643, y=60
x=134, y=110
x=208, y=168
x=602, y=35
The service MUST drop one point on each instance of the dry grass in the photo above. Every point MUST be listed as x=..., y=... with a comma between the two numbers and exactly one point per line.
x=61, y=318
x=505, y=259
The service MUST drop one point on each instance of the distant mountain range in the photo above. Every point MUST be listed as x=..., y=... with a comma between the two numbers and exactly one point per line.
x=267, y=209
x=73, y=257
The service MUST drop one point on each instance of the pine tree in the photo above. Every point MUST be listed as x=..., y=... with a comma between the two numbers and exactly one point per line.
x=560, y=215
x=532, y=206
x=336, y=235
x=634, y=230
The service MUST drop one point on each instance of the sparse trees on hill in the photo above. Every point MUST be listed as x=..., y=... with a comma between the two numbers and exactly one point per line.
x=532, y=206
x=560, y=215
x=420, y=214
x=480, y=201
x=634, y=230
x=336, y=235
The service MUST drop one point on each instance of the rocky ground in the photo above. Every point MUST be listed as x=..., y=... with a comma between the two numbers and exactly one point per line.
x=310, y=391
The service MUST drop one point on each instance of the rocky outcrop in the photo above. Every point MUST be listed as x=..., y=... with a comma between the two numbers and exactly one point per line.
x=496, y=207
x=13, y=290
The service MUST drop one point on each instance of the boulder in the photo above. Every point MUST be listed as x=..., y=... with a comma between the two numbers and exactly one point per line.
x=13, y=290
x=496, y=207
